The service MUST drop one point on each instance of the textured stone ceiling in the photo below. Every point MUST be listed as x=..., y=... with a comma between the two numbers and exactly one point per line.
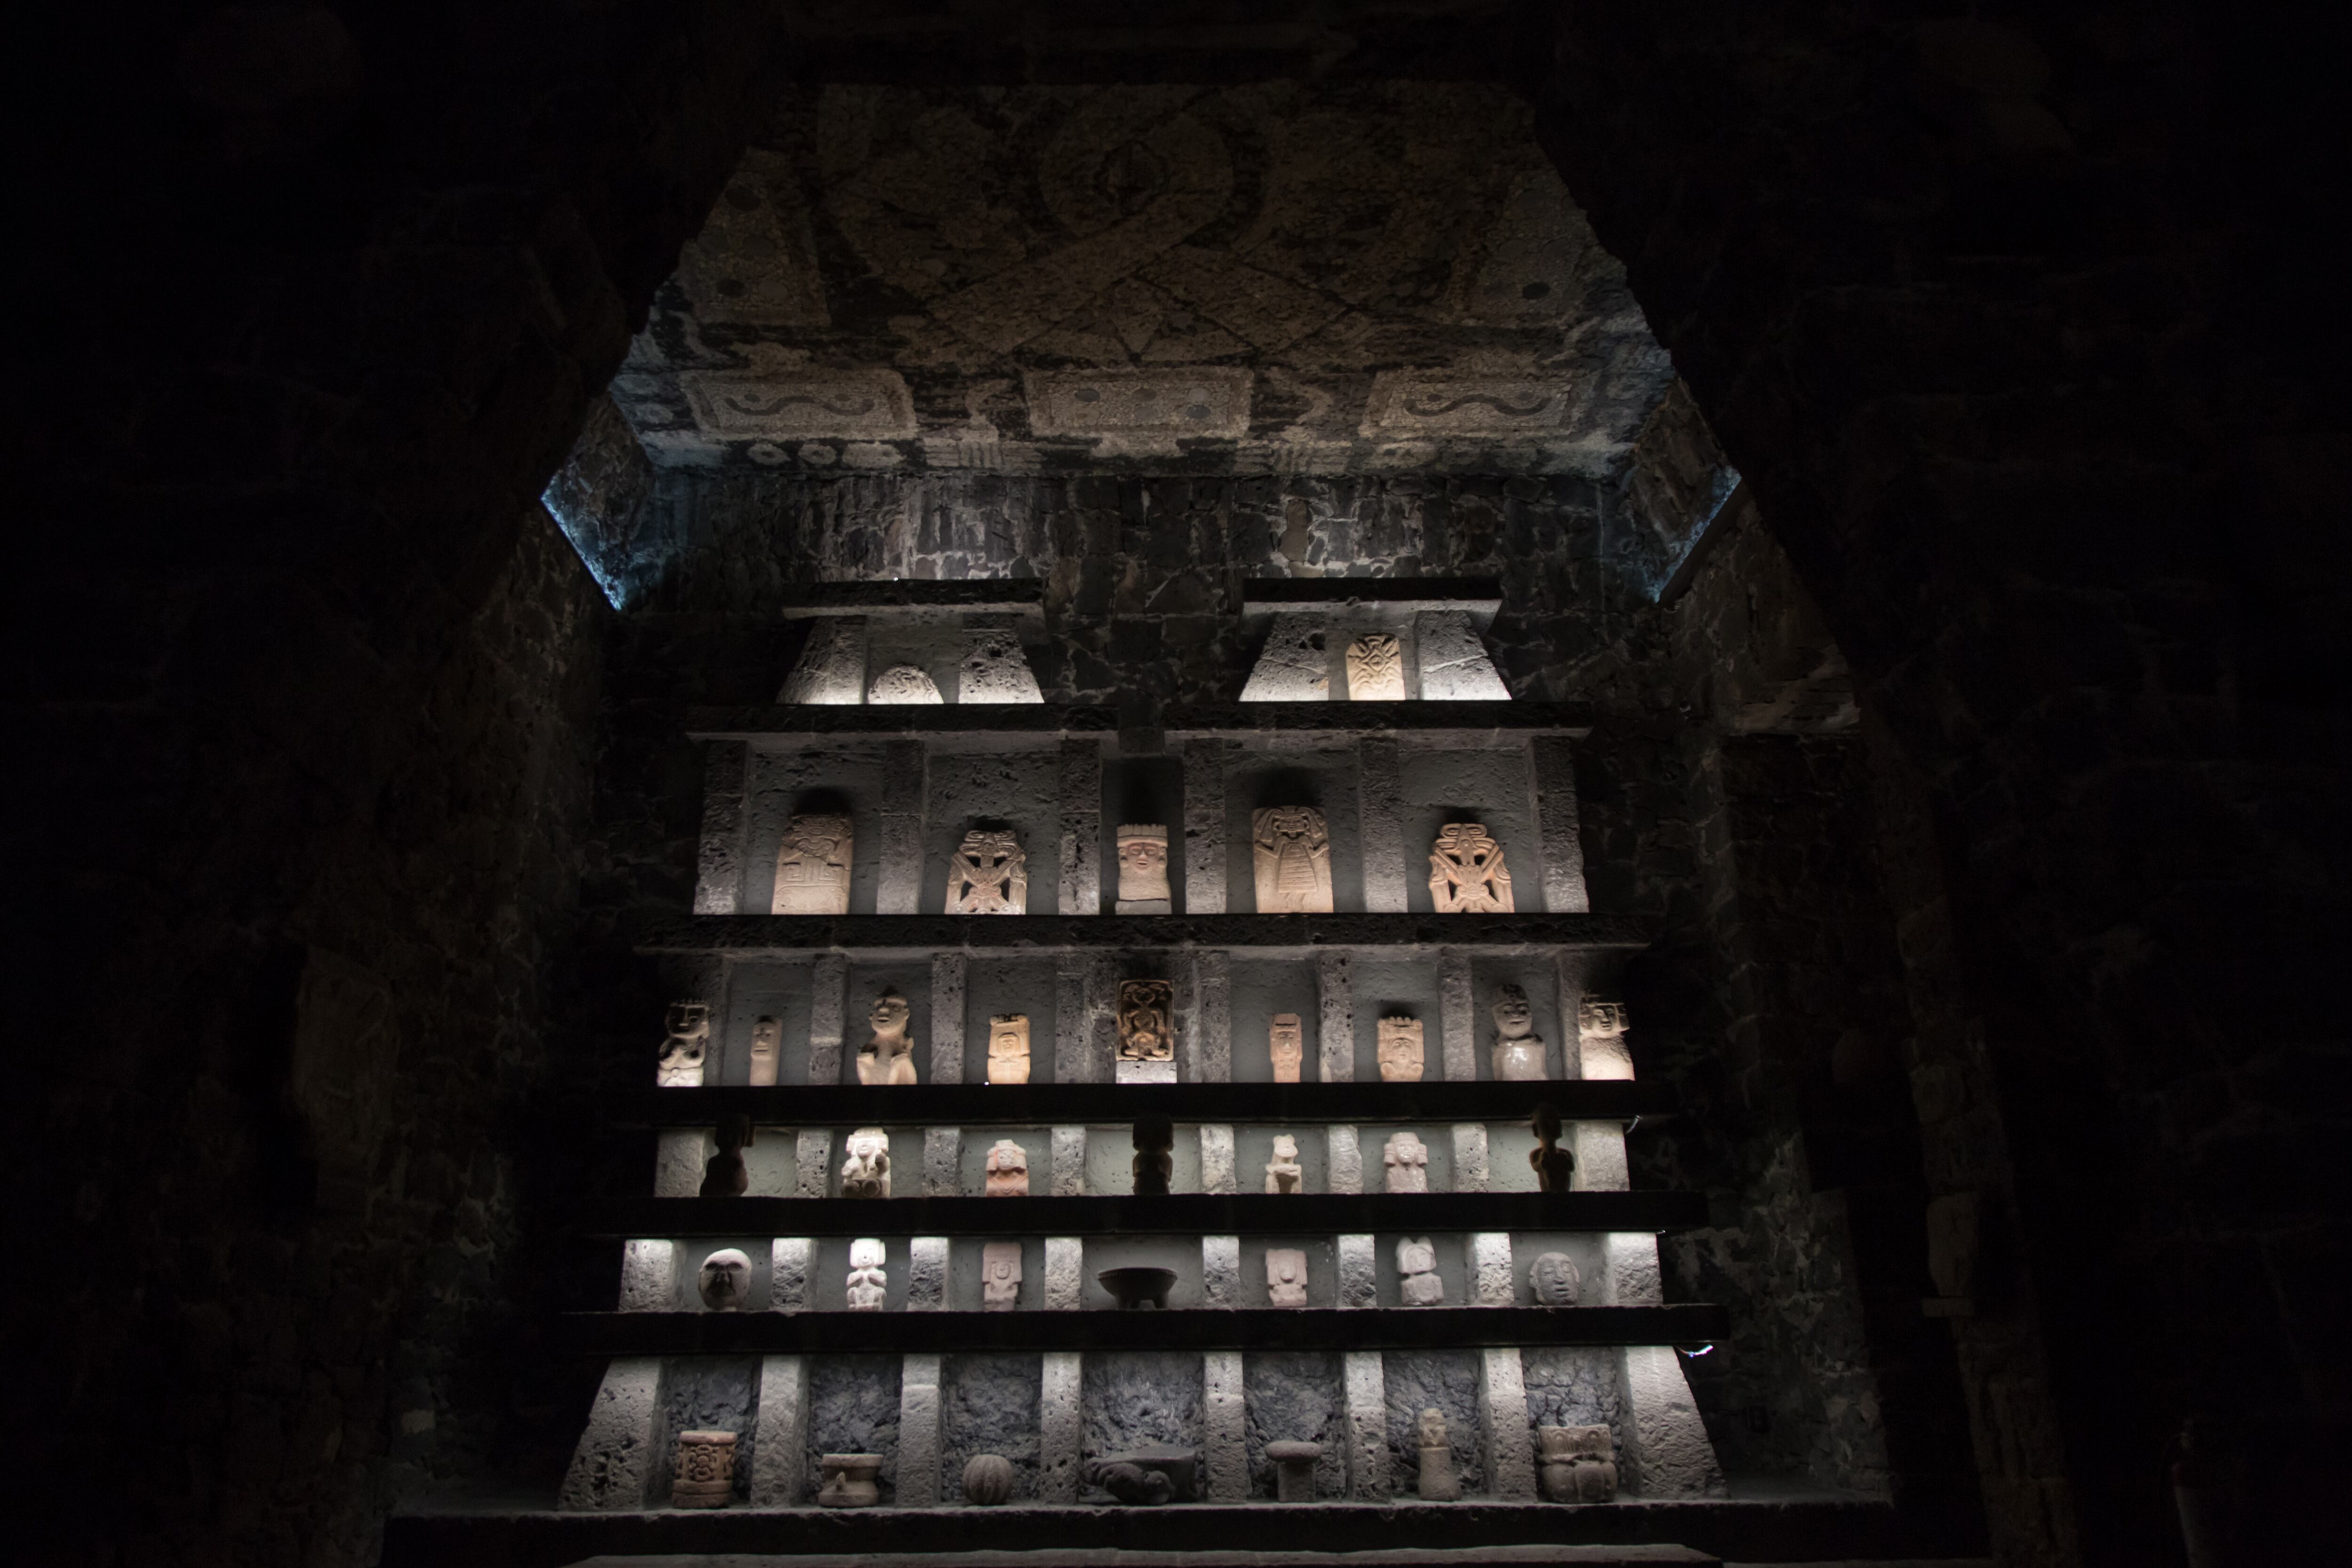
x=1358, y=277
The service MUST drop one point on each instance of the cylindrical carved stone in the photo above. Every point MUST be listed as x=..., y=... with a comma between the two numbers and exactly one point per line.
x=706, y=1470
x=1293, y=1469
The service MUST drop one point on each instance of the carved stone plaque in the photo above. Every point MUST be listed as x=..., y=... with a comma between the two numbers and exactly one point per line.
x=988, y=875
x=685, y=1045
x=1000, y=1276
x=1407, y=1162
x=889, y=1056
x=1146, y=1031
x=1285, y=1276
x=1401, y=1050
x=813, y=867
x=1290, y=849
x=1375, y=668
x=1466, y=875
x=1143, y=869
x=1286, y=1043
x=1008, y=1048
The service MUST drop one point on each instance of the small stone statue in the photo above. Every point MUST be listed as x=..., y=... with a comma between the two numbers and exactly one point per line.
x=1155, y=1137
x=1285, y=1276
x=1401, y=1050
x=1601, y=1028
x=1555, y=1167
x=1285, y=1044
x=767, y=1051
x=1439, y=1482
x=1466, y=875
x=1290, y=853
x=706, y=1470
x=999, y=1277
x=866, y=1173
x=1417, y=1262
x=889, y=1056
x=1554, y=1280
x=685, y=1046
x=723, y=1175
x=1008, y=1048
x=1578, y=1463
x=1008, y=1170
x=1129, y=1483
x=1283, y=1174
x=849, y=1480
x=724, y=1280
x=1293, y=1469
x=869, y=1286
x=988, y=875
x=903, y=683
x=813, y=867
x=1143, y=869
x=1407, y=1162
x=1375, y=668
x=1519, y=1050
x=1145, y=1033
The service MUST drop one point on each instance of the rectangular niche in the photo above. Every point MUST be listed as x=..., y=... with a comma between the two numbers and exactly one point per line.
x=1260, y=989
x=934, y=645
x=1140, y=1399
x=1254, y=1150
x=993, y=789
x=1111, y=1160
x=691, y=1253
x=1437, y=1140
x=1489, y=786
x=910, y=978
x=1540, y=980
x=1322, y=1269
x=1407, y=988
x=1453, y=1267
x=1444, y=1381
x=1142, y=790
x=1325, y=779
x=1295, y=1397
x=853, y=1410
x=989, y=1405
x=964, y=1282
x=1576, y=1385
x=772, y=989
x=828, y=1289
x=709, y=1393
x=995, y=985
x=782, y=784
x=1179, y=1253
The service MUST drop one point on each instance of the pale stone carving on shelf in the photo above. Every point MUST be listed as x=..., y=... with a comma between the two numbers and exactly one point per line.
x=832, y=667
x=1008, y=1170
x=1293, y=1469
x=866, y=1173
x=1555, y=1167
x=1294, y=666
x=994, y=669
x=1600, y=1028
x=1519, y=1050
x=903, y=684
x=723, y=1174
x=685, y=1046
x=849, y=1480
x=868, y=1284
x=1285, y=1276
x=1376, y=668
x=1439, y=1480
x=1290, y=852
x=988, y=875
x=1285, y=1044
x=1154, y=1162
x=1143, y=869
x=1400, y=1049
x=1000, y=1276
x=987, y=1479
x=767, y=1051
x=1579, y=1463
x=705, y=1477
x=1466, y=874
x=1417, y=1262
x=1145, y=1031
x=1596, y=1019
x=890, y=1056
x=1283, y=1174
x=1555, y=1280
x=812, y=866
x=1008, y=1048
x=1454, y=665
x=1138, y=1286
x=724, y=1281
x=1407, y=1159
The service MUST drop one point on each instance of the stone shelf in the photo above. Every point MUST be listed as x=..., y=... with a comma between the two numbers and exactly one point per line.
x=1012, y=724
x=1181, y=1214
x=1110, y=1104
x=1479, y=598
x=1018, y=725
x=1436, y=722
x=962, y=596
x=1268, y=936
x=1205, y=1328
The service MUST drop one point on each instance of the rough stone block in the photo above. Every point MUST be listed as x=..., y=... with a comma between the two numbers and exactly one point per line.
x=1666, y=1452
x=832, y=666
x=1221, y=1270
x=1631, y=1262
x=1069, y=1162
x=1367, y=1419
x=1600, y=1151
x=1146, y=1072
x=828, y=994
x=1358, y=1284
x=1205, y=829
x=679, y=1153
x=1457, y=1014
x=1343, y=1160
x=1218, y=1174
x=1551, y=771
x=994, y=669
x=1337, y=1038
x=918, y=1430
x=1212, y=1037
x=947, y=1017
x=718, y=868
x=1224, y=1441
x=780, y=1441
x=792, y=1273
x=1489, y=1258
x=942, y=1162
x=1379, y=796
x=1080, y=891
x=648, y=1276
x=899, y=885
x=1296, y=664
x=1506, y=1441
x=615, y=1462
x=1066, y=1266
x=1471, y=1171
x=1455, y=666
x=811, y=1161
x=927, y=1274
x=1061, y=1424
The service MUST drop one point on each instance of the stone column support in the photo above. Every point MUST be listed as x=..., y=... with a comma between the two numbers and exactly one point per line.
x=780, y=1447
x=1205, y=862
x=1379, y=802
x=1065, y=1267
x=947, y=1017
x=1365, y=1392
x=1061, y=1426
x=649, y=1276
x=679, y=1156
x=1224, y=1453
x=899, y=887
x=1336, y=1037
x=1358, y=1285
x=1503, y=1429
x=829, y=999
x=1343, y=1160
x=942, y=1162
x=616, y=1464
x=1457, y=1016
x=718, y=870
x=919, y=1428
x=1217, y=1173
x=1221, y=1270
x=1069, y=1167
x=812, y=1162
x=927, y=1276
x=1551, y=774
x=1210, y=1046
x=1081, y=812
x=1666, y=1452
x=792, y=1273
x=1489, y=1253
x=1471, y=1170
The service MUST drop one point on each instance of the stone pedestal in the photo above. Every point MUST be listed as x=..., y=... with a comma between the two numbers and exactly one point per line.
x=1293, y=1469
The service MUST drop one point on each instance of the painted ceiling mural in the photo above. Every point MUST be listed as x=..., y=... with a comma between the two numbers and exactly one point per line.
x=1274, y=278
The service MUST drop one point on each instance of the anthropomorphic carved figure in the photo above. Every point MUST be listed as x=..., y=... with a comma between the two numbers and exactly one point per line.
x=999, y=1277
x=1285, y=1276
x=988, y=875
x=1555, y=1167
x=813, y=867
x=725, y=1281
x=685, y=1045
x=723, y=1174
x=1286, y=1045
x=1579, y=1464
x=1466, y=875
x=767, y=1051
x=1401, y=1050
x=1145, y=1032
x=1417, y=1262
x=1283, y=1174
x=1555, y=1280
x=1154, y=1162
x=1375, y=668
x=868, y=1284
x=1601, y=1028
x=1290, y=853
x=1406, y=1158
x=1008, y=1170
x=1519, y=1050
x=866, y=1173
x=889, y=1056
x=1143, y=868
x=1439, y=1483
x=1008, y=1048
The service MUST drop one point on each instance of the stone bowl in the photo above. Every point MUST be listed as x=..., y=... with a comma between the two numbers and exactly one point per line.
x=1139, y=1285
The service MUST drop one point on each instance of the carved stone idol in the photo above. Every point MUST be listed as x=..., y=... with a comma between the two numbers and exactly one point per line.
x=683, y=1050
x=1578, y=1463
x=767, y=1051
x=813, y=867
x=1401, y=1050
x=1008, y=1170
x=1145, y=1032
x=988, y=875
x=1286, y=1043
x=1290, y=850
x=1375, y=668
x=723, y=1174
x=725, y=1281
x=1283, y=1174
x=870, y=1285
x=1519, y=1050
x=1285, y=1276
x=1555, y=1167
x=1417, y=1262
x=1143, y=869
x=1008, y=1048
x=1554, y=1280
x=1407, y=1159
x=1155, y=1137
x=1466, y=875
x=1439, y=1482
x=999, y=1277
x=889, y=1056
x=866, y=1173
x=706, y=1470
x=903, y=683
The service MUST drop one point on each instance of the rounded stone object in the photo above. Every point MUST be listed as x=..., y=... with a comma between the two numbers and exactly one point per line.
x=988, y=1479
x=724, y=1281
x=1138, y=1286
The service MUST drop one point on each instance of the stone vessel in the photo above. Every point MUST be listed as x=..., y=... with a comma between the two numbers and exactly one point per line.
x=849, y=1480
x=706, y=1470
x=1138, y=1286
x=1293, y=1469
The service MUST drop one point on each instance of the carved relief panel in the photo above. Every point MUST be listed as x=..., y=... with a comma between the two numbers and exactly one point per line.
x=813, y=867
x=1290, y=850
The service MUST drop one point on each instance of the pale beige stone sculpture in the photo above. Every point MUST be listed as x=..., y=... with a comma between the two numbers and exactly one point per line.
x=1406, y=1160
x=1417, y=1262
x=724, y=1280
x=999, y=1277
x=1143, y=869
x=685, y=1046
x=1283, y=1174
x=1466, y=874
x=767, y=1051
x=988, y=875
x=1008, y=1048
x=1519, y=1050
x=1578, y=1463
x=1008, y=1170
x=813, y=867
x=1286, y=1043
x=1376, y=668
x=706, y=1470
x=1146, y=1032
x=868, y=1284
x=866, y=1173
x=1285, y=1276
x=1439, y=1480
x=1401, y=1050
x=1554, y=1280
x=890, y=1056
x=1290, y=852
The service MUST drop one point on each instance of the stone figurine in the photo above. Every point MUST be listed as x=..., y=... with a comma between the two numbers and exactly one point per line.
x=868, y=1284
x=866, y=1173
x=987, y=1479
x=999, y=1277
x=706, y=1470
x=1290, y=850
x=723, y=1175
x=1599, y=1020
x=1439, y=1482
x=1293, y=1469
x=1401, y=1050
x=1283, y=1174
x=1578, y=1463
x=1129, y=1483
x=1376, y=668
x=1143, y=869
x=1155, y=1137
x=1285, y=1276
x=767, y=1051
x=1554, y=1280
x=1008, y=1170
x=724, y=1280
x=890, y=1056
x=1466, y=875
x=1008, y=1048
x=1555, y=1167
x=685, y=1046
x=1286, y=1045
x=849, y=1480
x=988, y=875
x=1145, y=1032
x=1407, y=1162
x=903, y=683
x=813, y=867
x=1417, y=1263
x=1519, y=1050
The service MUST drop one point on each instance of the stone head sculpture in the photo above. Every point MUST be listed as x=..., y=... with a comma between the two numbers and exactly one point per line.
x=1597, y=1019
x=1514, y=1016
x=889, y=1015
x=1554, y=1278
x=1432, y=1429
x=725, y=1281
x=866, y=1252
x=685, y=1046
x=1416, y=1255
